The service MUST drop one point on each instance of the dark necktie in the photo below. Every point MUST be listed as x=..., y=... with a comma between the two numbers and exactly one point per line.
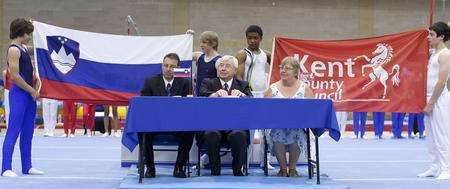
x=168, y=87
x=225, y=86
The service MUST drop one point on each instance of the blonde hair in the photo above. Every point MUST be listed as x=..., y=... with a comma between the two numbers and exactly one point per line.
x=211, y=38
x=290, y=60
x=227, y=58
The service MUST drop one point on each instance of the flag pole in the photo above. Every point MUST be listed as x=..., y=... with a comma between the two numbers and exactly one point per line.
x=431, y=12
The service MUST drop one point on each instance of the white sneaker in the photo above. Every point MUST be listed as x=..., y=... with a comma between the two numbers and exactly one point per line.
x=428, y=173
x=71, y=135
x=117, y=134
x=64, y=135
x=50, y=134
x=105, y=134
x=45, y=133
x=204, y=160
x=270, y=167
x=34, y=171
x=445, y=175
x=9, y=173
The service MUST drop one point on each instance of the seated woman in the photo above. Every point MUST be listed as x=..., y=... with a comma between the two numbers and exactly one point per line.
x=291, y=140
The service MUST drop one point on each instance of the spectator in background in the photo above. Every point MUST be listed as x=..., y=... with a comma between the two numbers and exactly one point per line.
x=49, y=114
x=114, y=122
x=70, y=117
x=6, y=86
x=89, y=117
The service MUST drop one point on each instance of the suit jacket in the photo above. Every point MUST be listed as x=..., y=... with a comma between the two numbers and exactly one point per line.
x=211, y=85
x=154, y=86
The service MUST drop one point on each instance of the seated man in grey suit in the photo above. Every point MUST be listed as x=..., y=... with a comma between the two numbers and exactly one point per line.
x=226, y=85
x=167, y=85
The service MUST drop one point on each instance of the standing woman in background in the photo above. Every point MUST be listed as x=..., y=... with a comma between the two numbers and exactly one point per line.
x=22, y=98
x=437, y=110
x=7, y=85
x=114, y=122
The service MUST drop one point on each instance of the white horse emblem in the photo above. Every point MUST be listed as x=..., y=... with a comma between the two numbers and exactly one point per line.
x=382, y=54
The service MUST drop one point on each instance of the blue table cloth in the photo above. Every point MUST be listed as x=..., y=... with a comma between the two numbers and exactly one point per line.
x=159, y=114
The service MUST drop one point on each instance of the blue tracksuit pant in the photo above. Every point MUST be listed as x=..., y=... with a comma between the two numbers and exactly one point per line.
x=378, y=123
x=420, y=123
x=21, y=122
x=359, y=123
x=397, y=124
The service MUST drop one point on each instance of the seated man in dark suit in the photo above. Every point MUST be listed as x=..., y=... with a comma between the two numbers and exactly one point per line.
x=226, y=85
x=167, y=85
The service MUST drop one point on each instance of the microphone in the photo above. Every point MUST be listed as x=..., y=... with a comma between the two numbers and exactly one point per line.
x=130, y=21
x=132, y=24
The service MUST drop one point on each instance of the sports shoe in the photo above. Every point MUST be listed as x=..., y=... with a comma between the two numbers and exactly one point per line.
x=9, y=173
x=34, y=171
x=428, y=173
x=445, y=175
x=269, y=167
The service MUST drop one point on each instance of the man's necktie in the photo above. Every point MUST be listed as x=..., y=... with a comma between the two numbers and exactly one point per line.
x=168, y=87
x=225, y=86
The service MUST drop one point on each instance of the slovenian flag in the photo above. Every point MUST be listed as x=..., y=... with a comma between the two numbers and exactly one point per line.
x=101, y=68
x=182, y=72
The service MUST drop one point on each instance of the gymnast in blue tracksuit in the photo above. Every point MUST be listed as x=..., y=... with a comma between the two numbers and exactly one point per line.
x=359, y=124
x=419, y=119
x=378, y=124
x=22, y=99
x=397, y=124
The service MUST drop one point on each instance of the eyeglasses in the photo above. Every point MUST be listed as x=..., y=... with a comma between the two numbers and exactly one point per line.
x=224, y=65
x=286, y=68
